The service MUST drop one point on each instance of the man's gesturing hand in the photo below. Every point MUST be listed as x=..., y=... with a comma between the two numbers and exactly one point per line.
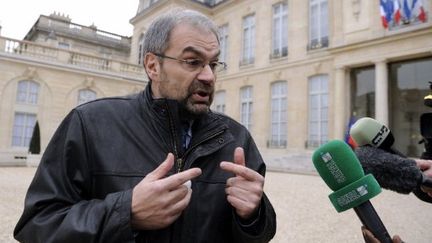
x=157, y=201
x=244, y=191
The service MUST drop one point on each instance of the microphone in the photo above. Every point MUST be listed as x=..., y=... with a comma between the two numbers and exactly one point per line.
x=426, y=132
x=368, y=131
x=340, y=169
x=394, y=172
x=428, y=98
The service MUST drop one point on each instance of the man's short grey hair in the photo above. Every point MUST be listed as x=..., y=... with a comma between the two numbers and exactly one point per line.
x=157, y=36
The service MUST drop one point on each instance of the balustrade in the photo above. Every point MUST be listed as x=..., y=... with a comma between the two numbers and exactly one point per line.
x=40, y=52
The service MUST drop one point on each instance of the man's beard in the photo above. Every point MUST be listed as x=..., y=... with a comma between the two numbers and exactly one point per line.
x=188, y=105
x=197, y=108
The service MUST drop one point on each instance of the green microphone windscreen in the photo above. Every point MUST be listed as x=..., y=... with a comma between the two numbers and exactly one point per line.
x=340, y=169
x=337, y=164
x=355, y=193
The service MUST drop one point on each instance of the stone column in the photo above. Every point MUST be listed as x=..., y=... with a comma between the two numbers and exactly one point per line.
x=340, y=103
x=381, y=92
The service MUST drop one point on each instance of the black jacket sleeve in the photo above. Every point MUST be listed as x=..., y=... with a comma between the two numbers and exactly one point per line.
x=58, y=205
x=263, y=228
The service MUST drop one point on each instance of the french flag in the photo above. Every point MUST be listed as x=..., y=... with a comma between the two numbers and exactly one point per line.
x=396, y=11
x=383, y=13
x=389, y=10
x=407, y=10
x=418, y=10
x=348, y=139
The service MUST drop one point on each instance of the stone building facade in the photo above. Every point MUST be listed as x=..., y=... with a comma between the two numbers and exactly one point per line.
x=58, y=65
x=298, y=71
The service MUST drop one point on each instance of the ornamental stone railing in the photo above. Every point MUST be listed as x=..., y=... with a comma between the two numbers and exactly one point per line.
x=47, y=54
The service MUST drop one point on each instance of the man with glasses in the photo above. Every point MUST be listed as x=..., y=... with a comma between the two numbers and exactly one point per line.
x=158, y=166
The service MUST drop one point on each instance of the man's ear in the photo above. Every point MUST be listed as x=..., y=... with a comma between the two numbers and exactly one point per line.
x=152, y=66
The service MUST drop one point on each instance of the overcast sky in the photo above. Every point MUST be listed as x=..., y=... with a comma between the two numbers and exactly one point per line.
x=18, y=16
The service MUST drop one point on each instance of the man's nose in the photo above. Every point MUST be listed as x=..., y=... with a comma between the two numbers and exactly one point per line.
x=206, y=75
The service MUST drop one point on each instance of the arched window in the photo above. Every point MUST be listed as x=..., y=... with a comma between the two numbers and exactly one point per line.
x=86, y=95
x=279, y=114
x=27, y=92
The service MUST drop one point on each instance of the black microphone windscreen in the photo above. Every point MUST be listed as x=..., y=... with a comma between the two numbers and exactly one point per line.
x=428, y=101
x=426, y=125
x=392, y=171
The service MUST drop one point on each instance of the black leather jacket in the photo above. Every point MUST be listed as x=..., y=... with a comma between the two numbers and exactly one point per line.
x=82, y=190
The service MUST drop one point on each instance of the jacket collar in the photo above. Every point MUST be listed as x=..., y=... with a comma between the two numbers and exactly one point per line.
x=162, y=107
x=164, y=114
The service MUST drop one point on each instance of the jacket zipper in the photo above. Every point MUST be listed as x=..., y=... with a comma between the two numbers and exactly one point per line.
x=174, y=140
x=179, y=164
x=182, y=159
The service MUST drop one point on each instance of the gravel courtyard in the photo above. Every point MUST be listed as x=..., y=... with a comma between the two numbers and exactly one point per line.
x=304, y=212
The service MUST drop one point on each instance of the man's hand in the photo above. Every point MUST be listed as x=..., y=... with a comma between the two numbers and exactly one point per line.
x=426, y=167
x=157, y=201
x=370, y=238
x=244, y=192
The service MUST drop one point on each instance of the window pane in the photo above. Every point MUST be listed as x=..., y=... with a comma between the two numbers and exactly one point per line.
x=276, y=35
x=27, y=92
x=246, y=106
x=363, y=92
x=323, y=20
x=318, y=109
x=285, y=26
x=248, y=38
x=408, y=84
x=318, y=26
x=219, y=101
x=314, y=22
x=23, y=129
x=280, y=29
x=140, y=48
x=278, y=114
x=86, y=95
x=223, y=32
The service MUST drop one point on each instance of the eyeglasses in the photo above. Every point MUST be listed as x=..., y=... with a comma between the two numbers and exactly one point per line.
x=197, y=64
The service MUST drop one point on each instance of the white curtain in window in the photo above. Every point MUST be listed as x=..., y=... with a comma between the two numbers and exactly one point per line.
x=219, y=101
x=27, y=92
x=86, y=95
x=246, y=106
x=280, y=29
x=140, y=49
x=23, y=129
x=318, y=21
x=278, y=114
x=318, y=110
x=248, y=39
x=223, y=34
